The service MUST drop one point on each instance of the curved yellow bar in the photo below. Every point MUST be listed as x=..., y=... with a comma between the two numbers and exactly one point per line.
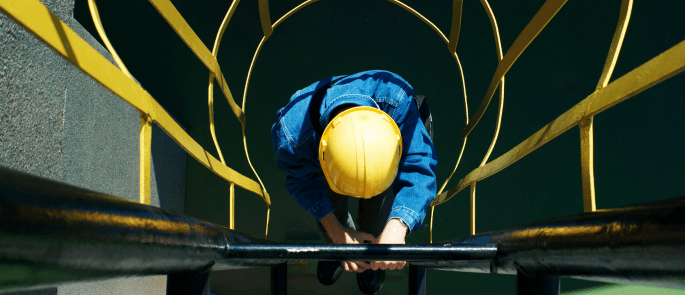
x=500, y=109
x=292, y=11
x=624, y=18
x=662, y=67
x=534, y=27
x=210, y=100
x=422, y=18
x=586, y=125
x=101, y=31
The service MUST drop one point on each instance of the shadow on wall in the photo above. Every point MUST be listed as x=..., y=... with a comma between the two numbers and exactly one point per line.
x=169, y=168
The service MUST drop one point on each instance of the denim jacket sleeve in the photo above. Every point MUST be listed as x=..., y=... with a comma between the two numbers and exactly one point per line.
x=415, y=185
x=303, y=182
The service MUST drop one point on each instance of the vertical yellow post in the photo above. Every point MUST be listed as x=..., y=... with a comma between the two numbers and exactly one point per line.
x=472, y=223
x=430, y=236
x=231, y=224
x=145, y=157
x=587, y=164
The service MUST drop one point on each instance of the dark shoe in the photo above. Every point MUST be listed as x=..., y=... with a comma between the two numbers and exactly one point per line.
x=328, y=271
x=371, y=281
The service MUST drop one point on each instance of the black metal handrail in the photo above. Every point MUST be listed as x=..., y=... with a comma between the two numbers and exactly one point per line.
x=47, y=225
x=56, y=233
x=637, y=245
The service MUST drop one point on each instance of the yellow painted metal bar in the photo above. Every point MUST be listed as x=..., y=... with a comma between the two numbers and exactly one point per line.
x=463, y=146
x=261, y=44
x=495, y=30
x=169, y=125
x=662, y=67
x=215, y=52
x=249, y=71
x=101, y=31
x=222, y=29
x=212, y=128
x=456, y=24
x=422, y=18
x=292, y=11
x=210, y=100
x=406, y=7
x=145, y=136
x=430, y=232
x=268, y=214
x=264, y=193
x=587, y=164
x=145, y=158
x=247, y=155
x=231, y=223
x=265, y=18
x=38, y=19
x=472, y=215
x=498, y=125
x=229, y=98
x=179, y=24
x=534, y=27
x=500, y=56
x=624, y=18
x=263, y=6
x=181, y=27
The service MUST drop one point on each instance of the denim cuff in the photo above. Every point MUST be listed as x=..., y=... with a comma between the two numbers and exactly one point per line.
x=321, y=209
x=408, y=217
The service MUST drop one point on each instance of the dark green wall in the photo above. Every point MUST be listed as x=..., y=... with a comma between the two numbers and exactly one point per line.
x=638, y=143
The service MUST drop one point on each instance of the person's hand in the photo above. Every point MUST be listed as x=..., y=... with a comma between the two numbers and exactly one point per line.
x=341, y=235
x=393, y=233
x=349, y=236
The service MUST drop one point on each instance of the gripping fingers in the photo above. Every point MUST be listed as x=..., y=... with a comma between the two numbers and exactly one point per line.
x=353, y=266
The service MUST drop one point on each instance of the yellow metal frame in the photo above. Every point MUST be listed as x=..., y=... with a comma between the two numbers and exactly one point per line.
x=38, y=19
x=41, y=22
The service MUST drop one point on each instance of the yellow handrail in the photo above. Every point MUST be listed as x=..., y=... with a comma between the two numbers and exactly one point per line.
x=41, y=22
x=145, y=122
x=38, y=19
x=662, y=67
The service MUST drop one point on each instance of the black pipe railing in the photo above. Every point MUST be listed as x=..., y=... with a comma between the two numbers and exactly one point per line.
x=55, y=233
x=636, y=245
x=58, y=233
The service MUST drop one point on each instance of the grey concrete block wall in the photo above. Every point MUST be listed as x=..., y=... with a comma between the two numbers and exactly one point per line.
x=58, y=123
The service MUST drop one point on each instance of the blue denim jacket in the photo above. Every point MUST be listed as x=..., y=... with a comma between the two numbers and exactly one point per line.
x=296, y=144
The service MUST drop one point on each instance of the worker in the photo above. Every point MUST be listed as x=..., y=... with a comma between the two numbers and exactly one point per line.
x=361, y=136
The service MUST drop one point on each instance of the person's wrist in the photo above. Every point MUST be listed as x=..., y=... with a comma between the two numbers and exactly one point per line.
x=331, y=224
x=398, y=225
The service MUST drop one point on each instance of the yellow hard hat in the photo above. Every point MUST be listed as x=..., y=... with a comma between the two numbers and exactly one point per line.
x=360, y=151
